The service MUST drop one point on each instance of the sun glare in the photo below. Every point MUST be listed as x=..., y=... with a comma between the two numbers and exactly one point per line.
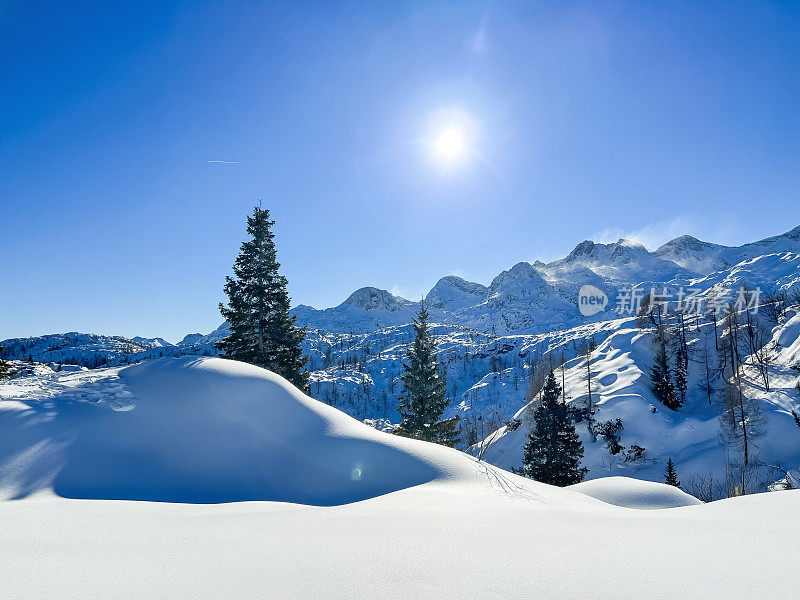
x=449, y=145
x=451, y=137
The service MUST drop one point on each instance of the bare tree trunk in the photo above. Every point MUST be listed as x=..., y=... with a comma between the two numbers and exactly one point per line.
x=589, y=378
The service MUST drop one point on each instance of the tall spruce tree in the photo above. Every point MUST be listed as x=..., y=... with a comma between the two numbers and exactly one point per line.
x=424, y=399
x=663, y=388
x=671, y=475
x=681, y=382
x=262, y=331
x=553, y=452
x=5, y=368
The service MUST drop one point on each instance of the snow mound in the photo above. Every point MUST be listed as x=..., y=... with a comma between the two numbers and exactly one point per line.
x=635, y=493
x=203, y=430
x=211, y=430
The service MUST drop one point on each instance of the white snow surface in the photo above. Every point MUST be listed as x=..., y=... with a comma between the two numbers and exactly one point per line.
x=635, y=493
x=333, y=508
x=201, y=430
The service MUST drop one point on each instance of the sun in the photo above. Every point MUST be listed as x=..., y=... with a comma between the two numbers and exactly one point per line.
x=450, y=145
x=451, y=138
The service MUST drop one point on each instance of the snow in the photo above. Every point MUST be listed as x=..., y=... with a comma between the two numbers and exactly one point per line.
x=489, y=335
x=202, y=430
x=635, y=493
x=690, y=436
x=333, y=507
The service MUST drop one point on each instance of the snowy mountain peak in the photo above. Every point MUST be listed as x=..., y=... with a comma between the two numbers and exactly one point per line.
x=587, y=252
x=696, y=255
x=370, y=298
x=621, y=261
x=155, y=342
x=626, y=243
x=520, y=271
x=452, y=293
x=628, y=250
x=685, y=243
x=583, y=249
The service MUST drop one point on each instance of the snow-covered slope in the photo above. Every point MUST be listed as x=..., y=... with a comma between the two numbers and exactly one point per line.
x=359, y=509
x=621, y=389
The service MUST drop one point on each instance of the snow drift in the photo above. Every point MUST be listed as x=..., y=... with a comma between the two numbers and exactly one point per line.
x=206, y=430
x=635, y=493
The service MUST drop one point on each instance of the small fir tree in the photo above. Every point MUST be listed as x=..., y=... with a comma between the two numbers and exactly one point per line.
x=424, y=398
x=670, y=475
x=262, y=332
x=553, y=451
x=681, y=382
x=663, y=387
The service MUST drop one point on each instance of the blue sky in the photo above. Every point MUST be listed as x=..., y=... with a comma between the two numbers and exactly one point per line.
x=580, y=120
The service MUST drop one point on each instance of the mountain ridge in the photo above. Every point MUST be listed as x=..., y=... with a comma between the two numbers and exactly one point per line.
x=550, y=288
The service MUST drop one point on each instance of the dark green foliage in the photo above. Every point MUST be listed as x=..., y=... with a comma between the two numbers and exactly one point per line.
x=681, y=382
x=671, y=475
x=472, y=437
x=5, y=368
x=262, y=331
x=553, y=451
x=424, y=398
x=663, y=387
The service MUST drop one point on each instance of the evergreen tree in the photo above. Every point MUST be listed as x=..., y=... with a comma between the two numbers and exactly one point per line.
x=424, y=399
x=681, y=382
x=663, y=387
x=5, y=368
x=553, y=451
x=670, y=475
x=262, y=331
